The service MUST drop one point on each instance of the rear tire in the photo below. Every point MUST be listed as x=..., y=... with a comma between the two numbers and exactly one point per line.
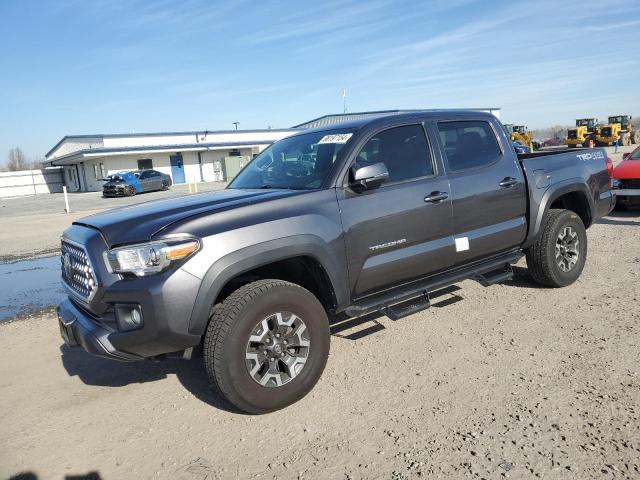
x=557, y=257
x=246, y=363
x=130, y=191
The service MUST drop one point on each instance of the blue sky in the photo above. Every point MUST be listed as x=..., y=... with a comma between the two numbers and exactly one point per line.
x=77, y=67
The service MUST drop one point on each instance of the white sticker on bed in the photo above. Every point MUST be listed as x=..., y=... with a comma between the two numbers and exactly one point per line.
x=462, y=244
x=336, y=138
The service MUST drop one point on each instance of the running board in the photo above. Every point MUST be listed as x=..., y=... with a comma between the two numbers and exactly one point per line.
x=406, y=308
x=495, y=276
x=405, y=293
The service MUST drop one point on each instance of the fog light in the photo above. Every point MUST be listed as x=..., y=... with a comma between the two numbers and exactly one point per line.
x=129, y=317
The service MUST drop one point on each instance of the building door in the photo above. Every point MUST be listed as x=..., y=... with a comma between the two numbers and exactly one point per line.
x=83, y=183
x=177, y=168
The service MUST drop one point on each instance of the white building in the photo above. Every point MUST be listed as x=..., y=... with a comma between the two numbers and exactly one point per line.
x=186, y=156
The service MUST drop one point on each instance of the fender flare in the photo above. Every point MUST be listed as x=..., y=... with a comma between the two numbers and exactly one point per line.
x=246, y=259
x=550, y=195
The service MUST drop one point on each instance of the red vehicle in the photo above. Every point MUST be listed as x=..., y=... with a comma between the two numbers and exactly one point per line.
x=627, y=179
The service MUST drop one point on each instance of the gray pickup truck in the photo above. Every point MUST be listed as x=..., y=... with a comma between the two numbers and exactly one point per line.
x=362, y=217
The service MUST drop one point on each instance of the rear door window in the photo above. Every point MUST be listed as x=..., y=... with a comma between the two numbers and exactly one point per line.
x=469, y=144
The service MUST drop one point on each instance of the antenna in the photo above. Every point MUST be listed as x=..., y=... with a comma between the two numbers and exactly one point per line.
x=344, y=100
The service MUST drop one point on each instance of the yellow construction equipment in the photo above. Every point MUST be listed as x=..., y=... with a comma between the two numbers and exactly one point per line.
x=520, y=133
x=618, y=129
x=586, y=129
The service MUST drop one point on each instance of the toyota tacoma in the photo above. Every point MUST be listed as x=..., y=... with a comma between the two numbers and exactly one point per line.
x=361, y=217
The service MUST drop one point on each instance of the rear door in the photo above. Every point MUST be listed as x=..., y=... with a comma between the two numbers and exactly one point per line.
x=488, y=191
x=146, y=181
x=401, y=230
x=156, y=180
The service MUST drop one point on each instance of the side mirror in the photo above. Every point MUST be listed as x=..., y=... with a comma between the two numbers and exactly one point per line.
x=368, y=177
x=625, y=156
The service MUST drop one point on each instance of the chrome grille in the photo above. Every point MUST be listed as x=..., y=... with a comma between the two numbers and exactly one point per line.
x=77, y=272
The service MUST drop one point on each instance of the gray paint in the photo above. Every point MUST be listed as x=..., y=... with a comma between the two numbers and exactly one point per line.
x=368, y=243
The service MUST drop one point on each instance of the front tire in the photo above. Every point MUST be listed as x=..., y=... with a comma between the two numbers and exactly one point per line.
x=266, y=345
x=558, y=256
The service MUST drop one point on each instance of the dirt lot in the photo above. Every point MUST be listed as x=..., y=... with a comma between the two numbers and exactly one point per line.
x=511, y=381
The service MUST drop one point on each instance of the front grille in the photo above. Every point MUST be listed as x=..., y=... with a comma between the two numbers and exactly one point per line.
x=630, y=184
x=112, y=189
x=572, y=134
x=77, y=272
x=606, y=132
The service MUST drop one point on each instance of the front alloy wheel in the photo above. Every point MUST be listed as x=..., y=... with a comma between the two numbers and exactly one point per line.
x=266, y=345
x=277, y=349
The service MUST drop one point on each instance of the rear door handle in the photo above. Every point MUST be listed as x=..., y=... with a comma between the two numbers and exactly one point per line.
x=436, y=197
x=508, y=182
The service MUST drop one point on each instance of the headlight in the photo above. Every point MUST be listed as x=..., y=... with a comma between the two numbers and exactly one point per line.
x=148, y=258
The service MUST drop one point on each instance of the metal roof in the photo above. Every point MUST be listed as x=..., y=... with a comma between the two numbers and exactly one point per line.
x=160, y=134
x=79, y=155
x=336, y=119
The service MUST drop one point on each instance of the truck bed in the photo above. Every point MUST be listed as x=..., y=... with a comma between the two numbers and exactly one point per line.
x=546, y=153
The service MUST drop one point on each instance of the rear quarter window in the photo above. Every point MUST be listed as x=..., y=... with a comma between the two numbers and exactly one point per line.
x=469, y=144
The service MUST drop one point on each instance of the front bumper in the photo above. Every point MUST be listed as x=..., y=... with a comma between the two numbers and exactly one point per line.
x=77, y=329
x=166, y=301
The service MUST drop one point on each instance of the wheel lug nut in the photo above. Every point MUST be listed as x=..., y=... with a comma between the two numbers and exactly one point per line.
x=285, y=342
x=268, y=340
x=277, y=335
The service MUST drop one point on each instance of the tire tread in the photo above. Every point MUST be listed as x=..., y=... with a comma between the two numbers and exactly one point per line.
x=222, y=319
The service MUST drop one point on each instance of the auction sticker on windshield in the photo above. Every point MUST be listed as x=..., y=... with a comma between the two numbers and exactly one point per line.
x=336, y=138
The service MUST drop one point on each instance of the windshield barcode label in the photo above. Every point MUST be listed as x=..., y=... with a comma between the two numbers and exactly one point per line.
x=336, y=138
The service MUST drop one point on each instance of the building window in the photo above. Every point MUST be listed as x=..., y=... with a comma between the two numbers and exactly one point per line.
x=95, y=171
x=145, y=164
x=235, y=153
x=103, y=174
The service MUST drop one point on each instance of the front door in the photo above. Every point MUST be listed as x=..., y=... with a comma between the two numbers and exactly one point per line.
x=177, y=168
x=488, y=191
x=401, y=230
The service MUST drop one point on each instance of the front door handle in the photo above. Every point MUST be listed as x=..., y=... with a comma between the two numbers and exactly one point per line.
x=436, y=197
x=508, y=182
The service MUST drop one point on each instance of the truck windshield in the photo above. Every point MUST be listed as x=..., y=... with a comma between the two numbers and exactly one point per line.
x=300, y=162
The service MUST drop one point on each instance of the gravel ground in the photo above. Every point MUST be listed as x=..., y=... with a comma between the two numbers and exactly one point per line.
x=508, y=381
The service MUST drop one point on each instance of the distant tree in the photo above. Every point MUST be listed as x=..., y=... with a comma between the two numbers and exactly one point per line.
x=17, y=160
x=36, y=163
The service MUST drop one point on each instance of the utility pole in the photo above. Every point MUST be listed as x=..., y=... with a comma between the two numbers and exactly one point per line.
x=236, y=124
x=344, y=100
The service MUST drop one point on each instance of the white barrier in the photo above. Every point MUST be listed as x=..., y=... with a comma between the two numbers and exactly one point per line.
x=30, y=182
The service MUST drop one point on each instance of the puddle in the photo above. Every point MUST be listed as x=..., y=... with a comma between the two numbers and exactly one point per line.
x=29, y=286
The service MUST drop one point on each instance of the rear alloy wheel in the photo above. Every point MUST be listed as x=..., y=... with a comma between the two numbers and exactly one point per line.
x=557, y=257
x=266, y=345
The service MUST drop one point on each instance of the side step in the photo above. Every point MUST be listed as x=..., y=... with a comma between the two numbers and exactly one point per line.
x=495, y=276
x=408, y=307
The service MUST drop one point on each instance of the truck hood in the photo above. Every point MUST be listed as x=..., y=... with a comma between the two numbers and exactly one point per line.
x=139, y=223
x=629, y=169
